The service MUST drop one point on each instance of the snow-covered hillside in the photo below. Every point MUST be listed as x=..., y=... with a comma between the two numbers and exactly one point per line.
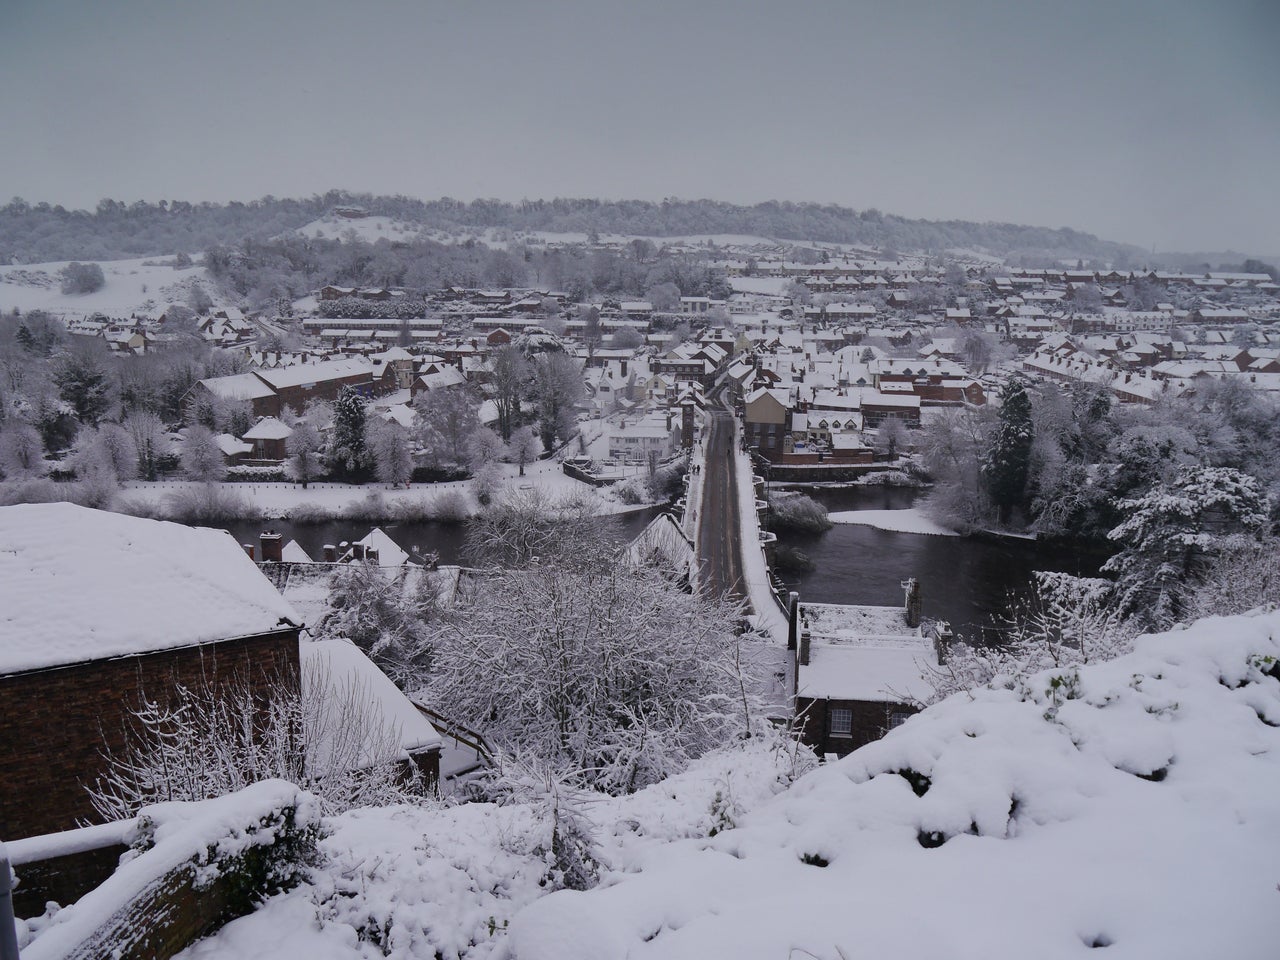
x=368, y=229
x=144, y=286
x=1131, y=806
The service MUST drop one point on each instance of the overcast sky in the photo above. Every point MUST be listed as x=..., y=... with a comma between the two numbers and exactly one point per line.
x=1151, y=121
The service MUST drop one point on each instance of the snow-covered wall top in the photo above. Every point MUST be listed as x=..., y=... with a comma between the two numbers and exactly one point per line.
x=1132, y=805
x=82, y=584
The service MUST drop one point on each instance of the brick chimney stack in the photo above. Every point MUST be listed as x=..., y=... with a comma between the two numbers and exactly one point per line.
x=272, y=547
x=804, y=648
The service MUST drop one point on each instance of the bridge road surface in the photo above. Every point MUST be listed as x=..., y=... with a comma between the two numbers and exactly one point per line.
x=719, y=536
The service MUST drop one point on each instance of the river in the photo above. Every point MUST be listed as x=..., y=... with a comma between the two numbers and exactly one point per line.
x=964, y=580
x=446, y=539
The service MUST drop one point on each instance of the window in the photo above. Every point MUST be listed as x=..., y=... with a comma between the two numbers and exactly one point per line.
x=898, y=717
x=841, y=722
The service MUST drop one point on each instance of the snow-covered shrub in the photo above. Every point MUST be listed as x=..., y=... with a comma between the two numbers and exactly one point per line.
x=208, y=503
x=665, y=483
x=1065, y=621
x=609, y=674
x=450, y=507
x=795, y=511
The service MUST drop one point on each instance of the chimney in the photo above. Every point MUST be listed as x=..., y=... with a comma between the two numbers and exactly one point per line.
x=248, y=548
x=804, y=648
x=371, y=554
x=330, y=553
x=912, y=607
x=272, y=547
x=357, y=551
x=624, y=368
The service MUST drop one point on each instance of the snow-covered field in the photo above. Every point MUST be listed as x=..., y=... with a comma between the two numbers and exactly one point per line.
x=910, y=520
x=1128, y=806
x=144, y=286
x=368, y=229
x=277, y=500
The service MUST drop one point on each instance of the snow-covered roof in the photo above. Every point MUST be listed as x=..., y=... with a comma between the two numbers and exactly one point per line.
x=390, y=554
x=338, y=668
x=866, y=672
x=294, y=552
x=238, y=386
x=230, y=446
x=304, y=373
x=268, y=428
x=84, y=584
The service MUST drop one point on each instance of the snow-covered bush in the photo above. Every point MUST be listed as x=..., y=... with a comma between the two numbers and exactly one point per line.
x=609, y=674
x=208, y=503
x=795, y=511
x=1064, y=621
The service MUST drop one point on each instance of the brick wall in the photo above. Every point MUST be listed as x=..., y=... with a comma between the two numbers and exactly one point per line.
x=56, y=723
x=871, y=721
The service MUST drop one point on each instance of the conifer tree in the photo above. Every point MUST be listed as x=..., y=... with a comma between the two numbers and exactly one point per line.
x=1008, y=460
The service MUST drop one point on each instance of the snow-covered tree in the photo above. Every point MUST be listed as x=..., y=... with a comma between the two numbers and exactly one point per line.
x=1008, y=457
x=107, y=449
x=1169, y=535
x=305, y=447
x=556, y=387
x=608, y=673
x=149, y=443
x=389, y=447
x=84, y=382
x=445, y=420
x=508, y=373
x=201, y=456
x=484, y=447
x=524, y=447
x=348, y=453
x=21, y=451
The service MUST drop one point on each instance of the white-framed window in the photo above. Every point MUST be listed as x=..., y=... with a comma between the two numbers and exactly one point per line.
x=841, y=722
x=898, y=717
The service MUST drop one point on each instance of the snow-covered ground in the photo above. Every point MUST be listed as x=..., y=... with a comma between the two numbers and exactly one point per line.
x=145, y=286
x=277, y=500
x=427, y=882
x=1129, y=806
x=910, y=520
x=368, y=229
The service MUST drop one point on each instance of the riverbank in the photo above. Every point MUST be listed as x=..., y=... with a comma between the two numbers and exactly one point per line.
x=449, y=501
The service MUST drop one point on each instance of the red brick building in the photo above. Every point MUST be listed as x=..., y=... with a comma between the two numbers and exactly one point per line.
x=99, y=609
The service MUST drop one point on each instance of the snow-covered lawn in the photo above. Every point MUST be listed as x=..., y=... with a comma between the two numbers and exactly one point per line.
x=277, y=500
x=910, y=520
x=147, y=285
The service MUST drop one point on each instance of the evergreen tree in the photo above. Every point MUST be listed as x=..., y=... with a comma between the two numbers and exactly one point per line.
x=1170, y=536
x=348, y=454
x=1008, y=461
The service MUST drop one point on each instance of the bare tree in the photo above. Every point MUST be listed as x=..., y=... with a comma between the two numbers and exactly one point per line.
x=328, y=735
x=508, y=371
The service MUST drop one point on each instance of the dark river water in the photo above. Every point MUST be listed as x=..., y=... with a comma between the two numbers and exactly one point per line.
x=447, y=539
x=964, y=580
